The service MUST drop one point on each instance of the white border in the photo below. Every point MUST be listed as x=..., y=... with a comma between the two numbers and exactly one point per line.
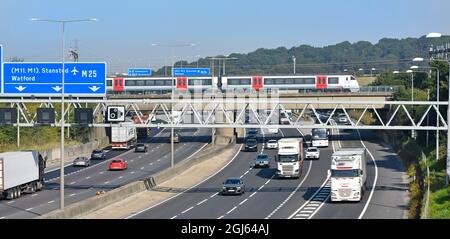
x=1, y=69
x=151, y=72
x=55, y=94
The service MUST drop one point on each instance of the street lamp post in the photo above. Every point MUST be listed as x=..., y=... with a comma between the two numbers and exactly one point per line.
x=172, y=46
x=294, y=59
x=63, y=24
x=447, y=173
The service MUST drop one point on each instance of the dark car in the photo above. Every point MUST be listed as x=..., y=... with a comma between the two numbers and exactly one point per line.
x=98, y=154
x=233, y=186
x=82, y=161
x=251, y=145
x=262, y=160
x=141, y=148
x=307, y=139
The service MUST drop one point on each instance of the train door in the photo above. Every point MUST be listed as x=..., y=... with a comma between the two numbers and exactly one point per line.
x=257, y=82
x=182, y=83
x=118, y=84
x=321, y=82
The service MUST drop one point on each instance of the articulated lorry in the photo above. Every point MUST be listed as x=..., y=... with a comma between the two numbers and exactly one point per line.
x=21, y=172
x=123, y=137
x=290, y=157
x=348, y=174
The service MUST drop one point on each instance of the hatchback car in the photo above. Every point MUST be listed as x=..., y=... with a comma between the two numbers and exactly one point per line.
x=262, y=160
x=233, y=186
x=272, y=144
x=312, y=153
x=342, y=118
x=141, y=148
x=251, y=145
x=82, y=161
x=176, y=138
x=118, y=164
x=98, y=154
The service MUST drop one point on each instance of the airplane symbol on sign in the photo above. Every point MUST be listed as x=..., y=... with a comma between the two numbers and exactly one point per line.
x=74, y=71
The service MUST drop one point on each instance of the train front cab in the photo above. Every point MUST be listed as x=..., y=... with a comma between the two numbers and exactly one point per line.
x=118, y=85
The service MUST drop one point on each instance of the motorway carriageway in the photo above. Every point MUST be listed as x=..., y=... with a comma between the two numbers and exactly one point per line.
x=83, y=182
x=303, y=198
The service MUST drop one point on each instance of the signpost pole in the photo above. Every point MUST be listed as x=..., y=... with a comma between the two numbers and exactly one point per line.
x=61, y=175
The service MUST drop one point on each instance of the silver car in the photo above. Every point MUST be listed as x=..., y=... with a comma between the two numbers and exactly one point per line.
x=82, y=161
x=262, y=160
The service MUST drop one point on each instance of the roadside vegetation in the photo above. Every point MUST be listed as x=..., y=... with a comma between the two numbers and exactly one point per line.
x=410, y=150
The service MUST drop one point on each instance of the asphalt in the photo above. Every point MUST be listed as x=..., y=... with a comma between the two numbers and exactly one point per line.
x=306, y=197
x=82, y=183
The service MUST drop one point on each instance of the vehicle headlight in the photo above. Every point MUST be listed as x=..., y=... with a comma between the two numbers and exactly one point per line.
x=238, y=188
x=223, y=188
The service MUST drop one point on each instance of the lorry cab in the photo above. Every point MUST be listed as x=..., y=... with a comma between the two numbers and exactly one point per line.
x=348, y=174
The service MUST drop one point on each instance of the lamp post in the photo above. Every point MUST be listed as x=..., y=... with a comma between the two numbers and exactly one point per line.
x=294, y=59
x=371, y=70
x=437, y=35
x=63, y=24
x=172, y=46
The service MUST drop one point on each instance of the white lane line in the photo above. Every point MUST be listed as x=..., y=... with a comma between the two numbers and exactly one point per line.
x=309, y=200
x=220, y=217
x=72, y=183
x=52, y=201
x=187, y=210
x=132, y=172
x=73, y=194
x=131, y=160
x=310, y=208
x=234, y=208
x=202, y=202
x=34, y=195
x=120, y=177
x=142, y=168
x=29, y=209
x=174, y=196
x=106, y=182
x=88, y=177
x=101, y=172
x=2, y=217
x=374, y=182
x=174, y=217
x=252, y=194
x=245, y=200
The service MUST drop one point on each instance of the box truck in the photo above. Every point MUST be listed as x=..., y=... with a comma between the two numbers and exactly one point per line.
x=290, y=157
x=348, y=174
x=21, y=172
x=124, y=136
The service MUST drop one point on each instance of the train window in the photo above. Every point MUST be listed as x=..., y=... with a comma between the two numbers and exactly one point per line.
x=352, y=78
x=310, y=81
x=109, y=83
x=130, y=83
x=299, y=81
x=159, y=82
x=278, y=81
x=333, y=80
x=149, y=82
x=140, y=82
x=167, y=82
x=120, y=83
x=289, y=81
x=268, y=81
x=239, y=81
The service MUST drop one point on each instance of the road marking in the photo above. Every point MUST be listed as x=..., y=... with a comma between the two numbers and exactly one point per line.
x=132, y=172
x=35, y=194
x=2, y=217
x=52, y=201
x=102, y=172
x=88, y=177
x=142, y=168
x=202, y=202
x=150, y=164
x=245, y=200
x=120, y=177
x=231, y=210
x=29, y=209
x=214, y=174
x=72, y=183
x=106, y=182
x=252, y=194
x=174, y=217
x=132, y=160
x=220, y=217
x=73, y=194
x=187, y=210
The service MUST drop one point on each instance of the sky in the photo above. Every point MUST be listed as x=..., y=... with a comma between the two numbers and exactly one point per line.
x=125, y=30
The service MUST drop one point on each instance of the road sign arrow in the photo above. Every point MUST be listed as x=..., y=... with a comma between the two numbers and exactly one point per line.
x=20, y=88
x=57, y=88
x=94, y=88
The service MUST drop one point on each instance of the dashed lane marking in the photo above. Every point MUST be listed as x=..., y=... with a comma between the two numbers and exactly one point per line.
x=187, y=210
x=52, y=201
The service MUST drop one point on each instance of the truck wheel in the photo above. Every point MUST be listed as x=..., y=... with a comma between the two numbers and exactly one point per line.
x=19, y=192
x=10, y=194
x=15, y=193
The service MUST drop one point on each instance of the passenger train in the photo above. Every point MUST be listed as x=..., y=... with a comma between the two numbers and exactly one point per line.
x=148, y=85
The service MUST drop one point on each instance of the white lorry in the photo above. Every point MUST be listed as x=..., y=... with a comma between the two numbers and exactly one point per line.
x=348, y=174
x=124, y=136
x=21, y=172
x=290, y=157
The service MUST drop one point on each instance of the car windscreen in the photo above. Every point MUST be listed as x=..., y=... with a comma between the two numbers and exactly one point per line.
x=272, y=141
x=140, y=145
x=262, y=156
x=232, y=181
x=97, y=152
x=311, y=150
x=252, y=142
x=345, y=173
x=117, y=161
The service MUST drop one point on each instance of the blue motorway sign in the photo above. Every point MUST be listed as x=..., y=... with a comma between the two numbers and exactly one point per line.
x=29, y=78
x=190, y=72
x=1, y=68
x=139, y=72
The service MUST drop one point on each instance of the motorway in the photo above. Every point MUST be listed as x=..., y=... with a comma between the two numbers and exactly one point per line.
x=82, y=183
x=303, y=198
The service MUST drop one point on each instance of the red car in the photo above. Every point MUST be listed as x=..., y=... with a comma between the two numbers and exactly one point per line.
x=118, y=164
